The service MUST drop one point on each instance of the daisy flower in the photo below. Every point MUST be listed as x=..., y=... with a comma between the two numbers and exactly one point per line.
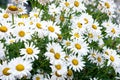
x=78, y=5
x=112, y=31
x=60, y=67
x=4, y=72
x=38, y=77
x=75, y=63
x=20, y=68
x=22, y=33
x=107, y=6
x=29, y=52
x=53, y=30
x=79, y=47
x=5, y=30
x=55, y=53
x=69, y=74
x=65, y=5
x=53, y=10
x=78, y=23
x=66, y=43
x=5, y=16
x=40, y=28
x=88, y=20
x=56, y=76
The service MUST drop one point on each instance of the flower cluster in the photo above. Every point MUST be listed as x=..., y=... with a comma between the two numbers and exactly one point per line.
x=60, y=40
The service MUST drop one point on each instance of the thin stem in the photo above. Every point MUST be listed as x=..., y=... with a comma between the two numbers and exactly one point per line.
x=12, y=19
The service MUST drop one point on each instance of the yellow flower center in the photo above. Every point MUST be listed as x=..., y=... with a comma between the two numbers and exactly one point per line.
x=90, y=35
x=20, y=9
x=93, y=55
x=3, y=29
x=29, y=51
x=51, y=29
x=58, y=67
x=21, y=23
x=86, y=20
x=38, y=25
x=78, y=46
x=36, y=15
x=99, y=59
x=31, y=23
x=52, y=50
x=20, y=67
x=107, y=5
x=106, y=53
x=57, y=56
x=69, y=72
x=79, y=25
x=75, y=62
x=67, y=4
x=58, y=75
x=13, y=8
x=76, y=3
x=24, y=16
x=37, y=78
x=68, y=43
x=5, y=15
x=5, y=71
x=62, y=18
x=94, y=26
x=113, y=31
x=77, y=35
x=112, y=58
x=21, y=33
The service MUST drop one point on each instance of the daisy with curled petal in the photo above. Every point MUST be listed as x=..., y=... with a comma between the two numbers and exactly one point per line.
x=59, y=66
x=75, y=63
x=38, y=77
x=4, y=72
x=12, y=9
x=53, y=30
x=20, y=68
x=29, y=52
x=79, y=47
x=118, y=48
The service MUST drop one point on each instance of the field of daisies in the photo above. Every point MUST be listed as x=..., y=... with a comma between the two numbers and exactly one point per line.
x=60, y=40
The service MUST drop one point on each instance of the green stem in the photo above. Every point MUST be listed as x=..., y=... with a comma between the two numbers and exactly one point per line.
x=12, y=19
